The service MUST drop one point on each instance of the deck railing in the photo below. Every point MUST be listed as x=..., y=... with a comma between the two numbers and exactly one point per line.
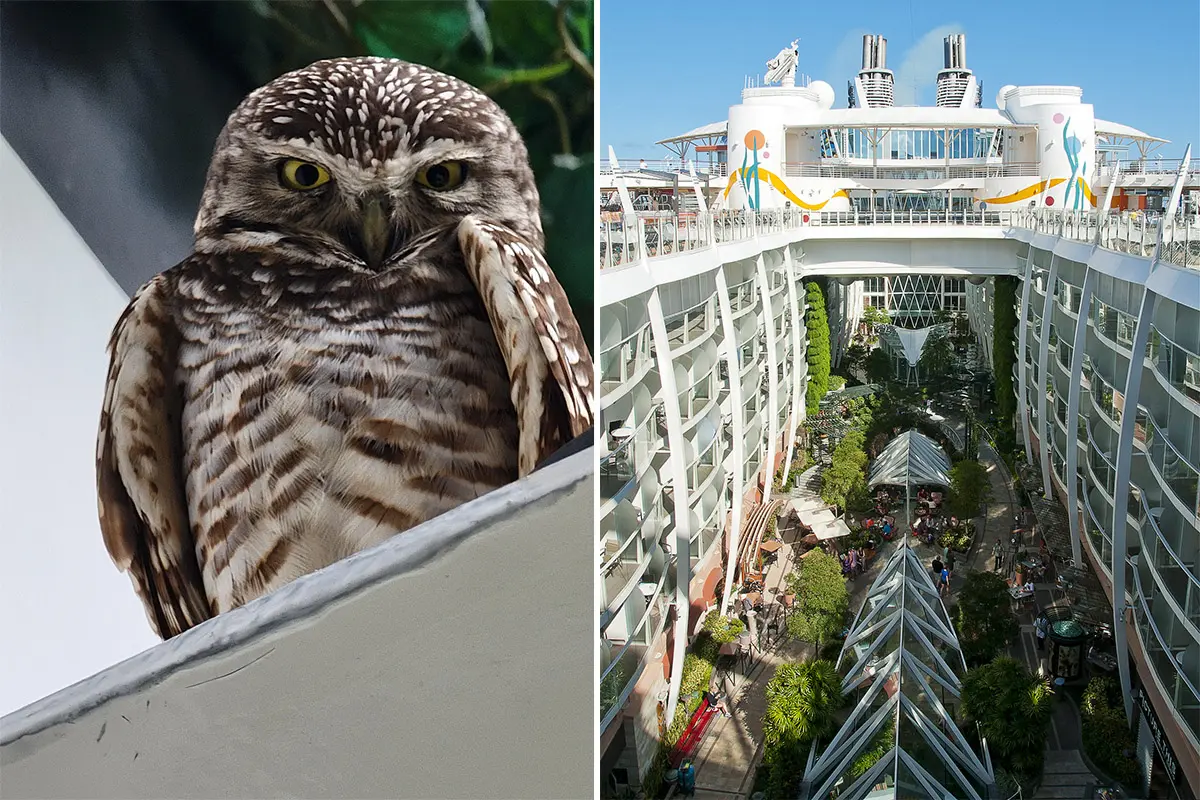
x=627, y=240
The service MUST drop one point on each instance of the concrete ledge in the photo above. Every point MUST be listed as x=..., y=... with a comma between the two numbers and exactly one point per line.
x=452, y=661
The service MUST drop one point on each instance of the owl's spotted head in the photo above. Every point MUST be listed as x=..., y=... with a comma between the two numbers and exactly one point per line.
x=346, y=159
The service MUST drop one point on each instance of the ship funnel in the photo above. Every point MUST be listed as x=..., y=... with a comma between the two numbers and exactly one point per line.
x=874, y=86
x=874, y=53
x=956, y=85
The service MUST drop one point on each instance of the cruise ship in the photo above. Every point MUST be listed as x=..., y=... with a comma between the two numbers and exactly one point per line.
x=704, y=258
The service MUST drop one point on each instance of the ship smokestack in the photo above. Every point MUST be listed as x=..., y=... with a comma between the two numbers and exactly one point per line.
x=874, y=86
x=956, y=85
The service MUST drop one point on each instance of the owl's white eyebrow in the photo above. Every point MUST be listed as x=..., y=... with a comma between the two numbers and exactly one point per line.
x=436, y=151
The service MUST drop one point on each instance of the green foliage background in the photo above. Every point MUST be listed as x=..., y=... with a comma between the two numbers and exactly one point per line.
x=818, y=346
x=533, y=57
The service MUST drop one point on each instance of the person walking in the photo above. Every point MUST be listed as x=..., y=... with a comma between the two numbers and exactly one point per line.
x=949, y=568
x=1040, y=626
x=944, y=582
x=997, y=557
x=937, y=568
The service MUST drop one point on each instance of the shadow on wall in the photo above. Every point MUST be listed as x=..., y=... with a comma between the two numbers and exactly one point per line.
x=115, y=111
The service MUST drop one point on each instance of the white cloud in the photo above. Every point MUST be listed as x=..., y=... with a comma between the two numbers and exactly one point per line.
x=915, y=75
x=843, y=64
x=918, y=71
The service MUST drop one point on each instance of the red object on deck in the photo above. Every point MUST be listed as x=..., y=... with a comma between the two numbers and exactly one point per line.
x=693, y=733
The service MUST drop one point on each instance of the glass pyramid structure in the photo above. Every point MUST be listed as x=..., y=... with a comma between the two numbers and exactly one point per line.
x=901, y=667
x=911, y=459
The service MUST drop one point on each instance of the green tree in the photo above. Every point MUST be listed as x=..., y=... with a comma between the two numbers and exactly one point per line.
x=847, y=469
x=937, y=357
x=802, y=700
x=873, y=317
x=1004, y=329
x=1012, y=708
x=818, y=353
x=984, y=618
x=821, y=598
x=970, y=488
x=854, y=362
x=879, y=366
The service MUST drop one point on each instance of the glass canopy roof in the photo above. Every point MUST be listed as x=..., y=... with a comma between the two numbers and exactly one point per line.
x=911, y=459
x=900, y=665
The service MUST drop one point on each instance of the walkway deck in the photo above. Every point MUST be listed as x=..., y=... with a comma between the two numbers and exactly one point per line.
x=729, y=756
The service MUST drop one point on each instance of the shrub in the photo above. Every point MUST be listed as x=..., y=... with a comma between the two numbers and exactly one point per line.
x=821, y=598
x=1012, y=708
x=1106, y=736
x=802, y=699
x=836, y=382
x=1004, y=345
x=723, y=630
x=818, y=353
x=984, y=618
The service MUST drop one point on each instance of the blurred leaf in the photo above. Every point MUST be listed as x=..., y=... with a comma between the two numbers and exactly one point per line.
x=479, y=27
x=524, y=31
x=568, y=217
x=582, y=26
x=423, y=31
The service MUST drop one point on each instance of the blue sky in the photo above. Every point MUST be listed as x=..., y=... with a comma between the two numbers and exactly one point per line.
x=667, y=66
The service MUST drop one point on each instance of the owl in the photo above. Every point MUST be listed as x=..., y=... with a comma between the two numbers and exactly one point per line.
x=366, y=335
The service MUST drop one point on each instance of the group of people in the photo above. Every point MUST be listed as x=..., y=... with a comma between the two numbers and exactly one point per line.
x=942, y=572
x=854, y=560
x=884, y=523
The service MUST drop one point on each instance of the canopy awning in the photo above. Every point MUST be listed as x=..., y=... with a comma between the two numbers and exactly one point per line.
x=831, y=530
x=911, y=459
x=902, y=662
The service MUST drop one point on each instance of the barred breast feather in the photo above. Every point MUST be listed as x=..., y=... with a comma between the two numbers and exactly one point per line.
x=264, y=419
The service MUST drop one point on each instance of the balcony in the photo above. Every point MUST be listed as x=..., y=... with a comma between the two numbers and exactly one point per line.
x=743, y=297
x=630, y=454
x=1179, y=367
x=620, y=363
x=690, y=326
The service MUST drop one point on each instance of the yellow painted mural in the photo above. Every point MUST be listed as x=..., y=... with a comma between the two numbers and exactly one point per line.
x=783, y=189
x=1038, y=188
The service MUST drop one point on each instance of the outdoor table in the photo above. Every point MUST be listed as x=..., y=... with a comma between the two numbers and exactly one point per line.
x=770, y=546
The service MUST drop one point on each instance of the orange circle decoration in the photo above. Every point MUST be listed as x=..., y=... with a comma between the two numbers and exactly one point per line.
x=756, y=140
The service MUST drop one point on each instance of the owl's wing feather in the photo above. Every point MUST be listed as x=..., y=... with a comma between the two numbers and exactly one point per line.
x=139, y=476
x=547, y=358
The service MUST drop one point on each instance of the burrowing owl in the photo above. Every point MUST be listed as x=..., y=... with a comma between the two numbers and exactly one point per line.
x=366, y=335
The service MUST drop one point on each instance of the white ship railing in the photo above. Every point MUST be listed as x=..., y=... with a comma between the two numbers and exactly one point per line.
x=712, y=168
x=627, y=240
x=916, y=169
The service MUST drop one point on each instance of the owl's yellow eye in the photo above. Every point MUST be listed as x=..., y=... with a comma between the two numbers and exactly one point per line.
x=302, y=175
x=443, y=176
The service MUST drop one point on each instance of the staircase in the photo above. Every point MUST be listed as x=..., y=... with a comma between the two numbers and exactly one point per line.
x=1065, y=776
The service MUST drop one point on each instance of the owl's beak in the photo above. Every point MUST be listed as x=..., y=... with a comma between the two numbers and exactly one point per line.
x=376, y=235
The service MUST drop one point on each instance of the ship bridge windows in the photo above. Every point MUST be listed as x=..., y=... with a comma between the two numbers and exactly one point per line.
x=907, y=143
